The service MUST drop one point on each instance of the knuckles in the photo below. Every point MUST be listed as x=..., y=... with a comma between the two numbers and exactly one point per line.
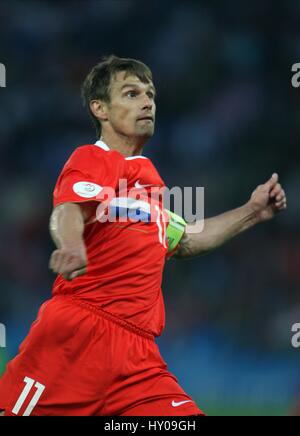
x=65, y=262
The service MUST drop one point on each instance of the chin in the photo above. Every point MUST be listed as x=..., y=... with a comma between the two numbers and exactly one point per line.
x=146, y=133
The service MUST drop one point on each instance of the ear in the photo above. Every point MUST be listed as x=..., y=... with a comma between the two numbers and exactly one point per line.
x=99, y=109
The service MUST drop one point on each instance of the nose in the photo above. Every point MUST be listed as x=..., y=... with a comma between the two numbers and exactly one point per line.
x=148, y=105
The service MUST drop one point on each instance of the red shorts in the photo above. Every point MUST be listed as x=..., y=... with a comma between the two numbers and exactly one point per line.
x=78, y=360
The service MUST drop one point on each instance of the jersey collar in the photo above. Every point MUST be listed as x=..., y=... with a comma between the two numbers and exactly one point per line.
x=105, y=147
x=102, y=144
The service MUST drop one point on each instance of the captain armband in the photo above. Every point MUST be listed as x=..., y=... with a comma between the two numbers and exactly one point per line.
x=175, y=230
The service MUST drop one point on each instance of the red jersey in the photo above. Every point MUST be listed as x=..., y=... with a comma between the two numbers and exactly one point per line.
x=125, y=258
x=107, y=366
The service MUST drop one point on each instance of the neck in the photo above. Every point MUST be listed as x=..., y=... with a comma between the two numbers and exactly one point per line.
x=123, y=144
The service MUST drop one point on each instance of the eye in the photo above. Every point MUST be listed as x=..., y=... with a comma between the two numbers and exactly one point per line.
x=131, y=94
x=151, y=95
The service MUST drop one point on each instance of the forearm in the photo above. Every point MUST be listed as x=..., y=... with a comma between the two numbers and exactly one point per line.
x=67, y=225
x=216, y=232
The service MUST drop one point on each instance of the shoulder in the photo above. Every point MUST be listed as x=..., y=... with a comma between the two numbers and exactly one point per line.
x=91, y=154
x=91, y=150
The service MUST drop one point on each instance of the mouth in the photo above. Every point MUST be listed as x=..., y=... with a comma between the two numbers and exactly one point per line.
x=148, y=118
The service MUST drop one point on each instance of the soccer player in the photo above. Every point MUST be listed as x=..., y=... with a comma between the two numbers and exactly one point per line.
x=91, y=350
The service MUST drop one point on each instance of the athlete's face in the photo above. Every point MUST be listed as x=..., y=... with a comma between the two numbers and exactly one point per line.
x=131, y=110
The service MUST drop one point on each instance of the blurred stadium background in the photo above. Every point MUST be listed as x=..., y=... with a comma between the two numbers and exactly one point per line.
x=227, y=118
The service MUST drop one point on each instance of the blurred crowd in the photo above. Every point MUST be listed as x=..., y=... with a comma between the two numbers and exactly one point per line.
x=227, y=118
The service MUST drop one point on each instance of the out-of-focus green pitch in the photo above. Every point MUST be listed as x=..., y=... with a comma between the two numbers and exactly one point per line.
x=244, y=410
x=3, y=360
x=242, y=407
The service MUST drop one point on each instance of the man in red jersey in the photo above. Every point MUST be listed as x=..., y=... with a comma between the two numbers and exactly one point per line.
x=91, y=350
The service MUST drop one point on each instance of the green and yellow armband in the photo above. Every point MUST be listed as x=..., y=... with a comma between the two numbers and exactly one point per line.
x=175, y=230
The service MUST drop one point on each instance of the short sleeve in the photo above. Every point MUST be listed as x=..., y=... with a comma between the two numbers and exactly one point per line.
x=87, y=172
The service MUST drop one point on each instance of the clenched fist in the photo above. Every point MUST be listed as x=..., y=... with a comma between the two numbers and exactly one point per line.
x=70, y=262
x=268, y=199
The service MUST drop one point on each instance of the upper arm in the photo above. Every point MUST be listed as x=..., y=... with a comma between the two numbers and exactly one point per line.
x=86, y=209
x=89, y=210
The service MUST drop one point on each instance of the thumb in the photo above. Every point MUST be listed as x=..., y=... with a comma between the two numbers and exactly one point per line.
x=271, y=183
x=77, y=273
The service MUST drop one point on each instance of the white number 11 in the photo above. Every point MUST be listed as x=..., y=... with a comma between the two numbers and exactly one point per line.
x=29, y=385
